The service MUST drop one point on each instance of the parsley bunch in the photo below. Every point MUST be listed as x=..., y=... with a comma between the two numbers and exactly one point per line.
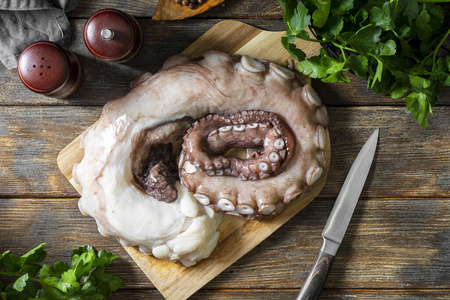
x=85, y=279
x=393, y=44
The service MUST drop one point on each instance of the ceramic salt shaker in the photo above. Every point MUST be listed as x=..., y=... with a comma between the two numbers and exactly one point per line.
x=47, y=68
x=113, y=35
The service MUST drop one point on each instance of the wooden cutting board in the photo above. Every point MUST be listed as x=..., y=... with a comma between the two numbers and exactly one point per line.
x=173, y=280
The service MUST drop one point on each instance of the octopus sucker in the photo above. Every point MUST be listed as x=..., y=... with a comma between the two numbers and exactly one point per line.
x=293, y=195
x=321, y=137
x=314, y=174
x=159, y=168
x=312, y=95
x=203, y=199
x=267, y=209
x=281, y=71
x=225, y=204
x=252, y=65
x=244, y=209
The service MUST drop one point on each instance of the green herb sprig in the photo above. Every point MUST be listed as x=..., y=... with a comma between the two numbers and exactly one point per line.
x=84, y=279
x=392, y=44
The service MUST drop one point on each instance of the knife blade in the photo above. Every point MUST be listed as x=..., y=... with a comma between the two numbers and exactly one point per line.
x=339, y=219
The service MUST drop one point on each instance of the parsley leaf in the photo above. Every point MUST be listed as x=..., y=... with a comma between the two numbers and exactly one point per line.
x=381, y=16
x=319, y=66
x=20, y=283
x=423, y=27
x=409, y=9
x=84, y=279
x=398, y=90
x=316, y=67
x=419, y=106
x=365, y=39
x=295, y=14
x=30, y=262
x=341, y=7
x=332, y=27
x=300, y=19
x=358, y=64
x=295, y=52
x=320, y=15
x=388, y=48
x=441, y=71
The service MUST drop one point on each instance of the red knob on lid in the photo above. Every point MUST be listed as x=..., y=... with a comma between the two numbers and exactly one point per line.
x=113, y=35
x=49, y=69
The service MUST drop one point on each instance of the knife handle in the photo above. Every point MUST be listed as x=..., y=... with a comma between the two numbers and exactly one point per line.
x=313, y=284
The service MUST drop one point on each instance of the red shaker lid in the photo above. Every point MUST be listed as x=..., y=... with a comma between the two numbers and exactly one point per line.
x=42, y=67
x=112, y=35
x=49, y=69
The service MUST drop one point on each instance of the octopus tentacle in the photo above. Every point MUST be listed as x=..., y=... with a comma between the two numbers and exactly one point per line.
x=153, y=159
x=206, y=142
x=127, y=173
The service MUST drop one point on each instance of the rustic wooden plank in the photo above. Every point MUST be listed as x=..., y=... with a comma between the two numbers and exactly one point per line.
x=270, y=294
x=390, y=244
x=138, y=8
x=103, y=81
x=146, y=8
x=234, y=9
x=357, y=93
x=406, y=161
x=405, y=164
x=30, y=140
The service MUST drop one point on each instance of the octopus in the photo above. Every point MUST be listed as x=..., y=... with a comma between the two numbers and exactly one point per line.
x=160, y=167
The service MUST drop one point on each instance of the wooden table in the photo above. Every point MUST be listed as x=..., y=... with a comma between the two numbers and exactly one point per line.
x=397, y=245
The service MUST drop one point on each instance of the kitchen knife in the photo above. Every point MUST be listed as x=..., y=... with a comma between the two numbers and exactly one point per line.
x=339, y=219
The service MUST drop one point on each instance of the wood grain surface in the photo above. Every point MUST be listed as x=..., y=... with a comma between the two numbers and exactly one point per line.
x=99, y=86
x=397, y=244
x=146, y=8
x=410, y=162
x=372, y=256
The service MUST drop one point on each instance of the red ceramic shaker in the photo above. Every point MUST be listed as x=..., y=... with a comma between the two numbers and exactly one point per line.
x=49, y=69
x=112, y=35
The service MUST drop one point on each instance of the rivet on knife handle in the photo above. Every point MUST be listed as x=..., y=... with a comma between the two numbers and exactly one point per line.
x=313, y=284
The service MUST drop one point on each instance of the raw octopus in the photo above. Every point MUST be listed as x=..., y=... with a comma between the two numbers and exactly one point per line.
x=133, y=186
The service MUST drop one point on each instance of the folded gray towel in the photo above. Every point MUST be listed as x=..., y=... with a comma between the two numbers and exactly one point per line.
x=23, y=22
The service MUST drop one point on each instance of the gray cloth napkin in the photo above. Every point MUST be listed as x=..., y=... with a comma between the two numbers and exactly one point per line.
x=23, y=22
